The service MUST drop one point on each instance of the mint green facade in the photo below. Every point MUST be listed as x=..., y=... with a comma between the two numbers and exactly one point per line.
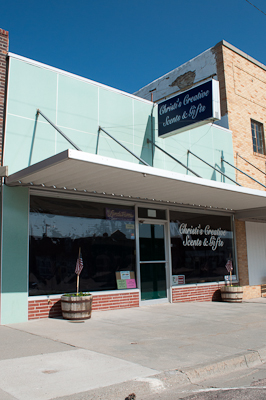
x=78, y=107
x=14, y=279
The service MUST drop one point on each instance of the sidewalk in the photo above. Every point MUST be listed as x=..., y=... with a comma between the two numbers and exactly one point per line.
x=141, y=350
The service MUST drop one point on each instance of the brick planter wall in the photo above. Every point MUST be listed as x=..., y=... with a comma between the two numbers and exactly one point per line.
x=196, y=293
x=52, y=307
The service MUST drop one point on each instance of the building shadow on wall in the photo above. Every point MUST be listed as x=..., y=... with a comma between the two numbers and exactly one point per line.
x=147, y=151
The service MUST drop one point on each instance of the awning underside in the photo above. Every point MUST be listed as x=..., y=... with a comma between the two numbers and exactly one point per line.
x=79, y=171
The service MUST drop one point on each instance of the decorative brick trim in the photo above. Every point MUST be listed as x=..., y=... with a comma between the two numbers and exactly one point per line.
x=52, y=307
x=3, y=54
x=196, y=293
x=3, y=32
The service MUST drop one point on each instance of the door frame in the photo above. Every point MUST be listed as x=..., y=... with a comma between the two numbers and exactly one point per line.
x=167, y=261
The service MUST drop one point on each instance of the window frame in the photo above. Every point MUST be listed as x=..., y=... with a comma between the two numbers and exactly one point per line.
x=258, y=139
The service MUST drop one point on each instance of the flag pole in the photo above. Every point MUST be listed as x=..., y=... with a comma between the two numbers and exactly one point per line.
x=78, y=275
x=77, y=284
x=230, y=272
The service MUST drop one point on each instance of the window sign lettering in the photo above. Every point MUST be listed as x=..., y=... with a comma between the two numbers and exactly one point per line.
x=207, y=237
x=178, y=280
x=120, y=215
x=125, y=280
x=125, y=274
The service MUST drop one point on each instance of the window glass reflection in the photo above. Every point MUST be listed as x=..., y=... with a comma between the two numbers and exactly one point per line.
x=151, y=242
x=201, y=245
x=58, y=227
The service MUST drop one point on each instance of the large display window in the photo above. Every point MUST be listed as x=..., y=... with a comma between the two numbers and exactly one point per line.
x=201, y=246
x=105, y=234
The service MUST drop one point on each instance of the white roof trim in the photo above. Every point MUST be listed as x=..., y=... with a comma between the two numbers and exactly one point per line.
x=62, y=72
x=80, y=171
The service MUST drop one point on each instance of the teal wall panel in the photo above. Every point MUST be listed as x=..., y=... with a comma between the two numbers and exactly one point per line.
x=77, y=107
x=14, y=277
x=116, y=115
x=43, y=142
x=31, y=87
x=18, y=142
x=77, y=113
x=207, y=142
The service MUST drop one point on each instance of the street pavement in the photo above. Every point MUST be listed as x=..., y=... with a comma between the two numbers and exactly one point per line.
x=145, y=350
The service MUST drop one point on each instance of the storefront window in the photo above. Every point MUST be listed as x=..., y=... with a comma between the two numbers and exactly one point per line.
x=59, y=227
x=201, y=246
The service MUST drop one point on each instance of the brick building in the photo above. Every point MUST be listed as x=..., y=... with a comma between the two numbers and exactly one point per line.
x=88, y=169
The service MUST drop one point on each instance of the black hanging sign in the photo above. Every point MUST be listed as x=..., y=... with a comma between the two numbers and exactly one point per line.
x=195, y=106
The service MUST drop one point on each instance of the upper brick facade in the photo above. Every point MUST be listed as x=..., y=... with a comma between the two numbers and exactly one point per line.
x=243, y=98
x=4, y=41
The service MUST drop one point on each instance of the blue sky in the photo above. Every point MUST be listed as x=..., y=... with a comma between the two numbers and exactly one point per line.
x=127, y=44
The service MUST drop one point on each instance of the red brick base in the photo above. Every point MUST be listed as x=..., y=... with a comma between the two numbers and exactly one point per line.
x=197, y=293
x=52, y=307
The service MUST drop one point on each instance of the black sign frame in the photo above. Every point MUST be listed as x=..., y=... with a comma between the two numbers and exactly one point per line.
x=192, y=107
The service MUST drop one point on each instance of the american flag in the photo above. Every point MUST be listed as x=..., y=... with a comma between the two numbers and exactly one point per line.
x=79, y=264
x=229, y=266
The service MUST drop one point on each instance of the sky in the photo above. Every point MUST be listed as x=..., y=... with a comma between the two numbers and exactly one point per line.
x=128, y=44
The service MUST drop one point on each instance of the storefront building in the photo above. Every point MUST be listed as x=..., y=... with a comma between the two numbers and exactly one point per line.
x=242, y=81
x=88, y=169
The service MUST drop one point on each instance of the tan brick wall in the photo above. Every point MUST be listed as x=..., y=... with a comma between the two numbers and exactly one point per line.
x=3, y=54
x=251, y=292
x=241, y=249
x=245, y=93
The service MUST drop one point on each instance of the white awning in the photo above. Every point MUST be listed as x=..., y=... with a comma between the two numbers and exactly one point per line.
x=79, y=171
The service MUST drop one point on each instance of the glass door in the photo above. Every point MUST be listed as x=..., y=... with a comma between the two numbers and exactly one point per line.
x=153, y=262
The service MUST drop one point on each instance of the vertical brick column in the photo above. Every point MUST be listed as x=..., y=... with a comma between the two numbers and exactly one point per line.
x=3, y=54
x=241, y=248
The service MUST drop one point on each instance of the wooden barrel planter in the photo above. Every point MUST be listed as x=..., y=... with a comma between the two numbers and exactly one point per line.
x=76, y=307
x=232, y=294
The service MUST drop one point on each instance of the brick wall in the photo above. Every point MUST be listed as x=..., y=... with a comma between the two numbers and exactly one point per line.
x=196, y=293
x=3, y=53
x=251, y=292
x=245, y=94
x=241, y=249
x=52, y=307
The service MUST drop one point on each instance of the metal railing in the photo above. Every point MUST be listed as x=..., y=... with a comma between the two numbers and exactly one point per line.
x=220, y=172
x=169, y=155
x=58, y=130
x=117, y=141
x=242, y=172
x=238, y=155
